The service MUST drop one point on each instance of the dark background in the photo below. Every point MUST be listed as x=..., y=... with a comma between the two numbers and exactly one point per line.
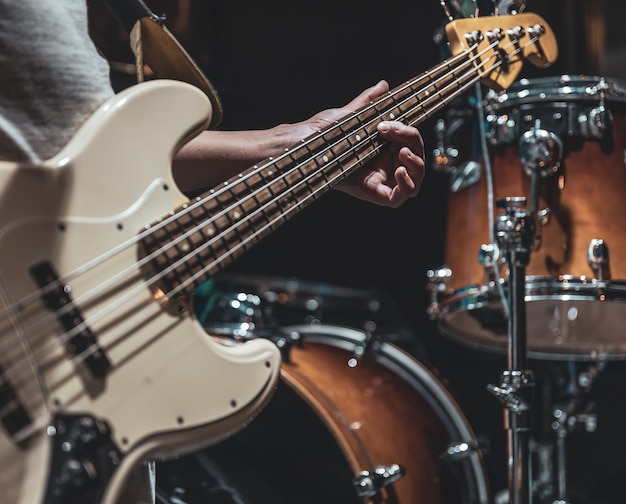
x=282, y=61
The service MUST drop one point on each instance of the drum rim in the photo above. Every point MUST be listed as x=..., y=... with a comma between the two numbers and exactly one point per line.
x=419, y=377
x=569, y=288
x=556, y=88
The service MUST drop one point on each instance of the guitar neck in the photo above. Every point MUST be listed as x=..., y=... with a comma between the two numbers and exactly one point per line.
x=207, y=234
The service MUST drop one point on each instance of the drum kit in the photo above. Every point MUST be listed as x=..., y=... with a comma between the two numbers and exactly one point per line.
x=537, y=280
x=532, y=216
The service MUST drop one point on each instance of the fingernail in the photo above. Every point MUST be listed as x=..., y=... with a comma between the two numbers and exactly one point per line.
x=384, y=126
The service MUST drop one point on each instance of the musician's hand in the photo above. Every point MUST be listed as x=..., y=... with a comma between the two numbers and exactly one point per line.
x=391, y=177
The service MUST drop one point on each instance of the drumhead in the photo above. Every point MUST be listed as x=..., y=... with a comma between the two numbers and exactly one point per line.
x=568, y=88
x=427, y=387
x=567, y=318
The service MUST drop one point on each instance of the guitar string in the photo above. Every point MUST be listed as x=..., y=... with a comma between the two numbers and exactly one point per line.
x=123, y=274
x=142, y=262
x=439, y=105
x=17, y=307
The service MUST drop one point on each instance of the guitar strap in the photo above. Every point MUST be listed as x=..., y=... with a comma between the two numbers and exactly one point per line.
x=155, y=45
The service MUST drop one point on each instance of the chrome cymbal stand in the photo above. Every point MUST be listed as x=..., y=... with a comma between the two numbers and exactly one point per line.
x=515, y=234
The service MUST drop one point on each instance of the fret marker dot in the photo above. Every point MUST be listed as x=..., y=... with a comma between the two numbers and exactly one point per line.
x=392, y=116
x=236, y=215
x=270, y=172
x=185, y=247
x=325, y=158
x=210, y=231
x=358, y=137
x=426, y=93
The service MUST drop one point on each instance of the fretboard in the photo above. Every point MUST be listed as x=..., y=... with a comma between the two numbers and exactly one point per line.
x=206, y=234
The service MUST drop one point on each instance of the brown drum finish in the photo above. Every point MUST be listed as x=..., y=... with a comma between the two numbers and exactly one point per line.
x=375, y=416
x=589, y=205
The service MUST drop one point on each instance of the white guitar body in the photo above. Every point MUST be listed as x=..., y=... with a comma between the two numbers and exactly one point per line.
x=170, y=387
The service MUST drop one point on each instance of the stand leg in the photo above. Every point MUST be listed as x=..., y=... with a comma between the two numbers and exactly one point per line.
x=515, y=234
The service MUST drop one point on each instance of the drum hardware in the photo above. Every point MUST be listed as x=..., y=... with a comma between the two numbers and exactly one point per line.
x=543, y=471
x=515, y=234
x=490, y=259
x=469, y=8
x=454, y=9
x=370, y=483
x=559, y=120
x=598, y=258
x=437, y=285
x=540, y=151
x=569, y=415
x=509, y=6
x=459, y=451
x=467, y=174
x=599, y=120
x=444, y=157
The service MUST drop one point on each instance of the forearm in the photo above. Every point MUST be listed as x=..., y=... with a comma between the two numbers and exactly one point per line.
x=214, y=156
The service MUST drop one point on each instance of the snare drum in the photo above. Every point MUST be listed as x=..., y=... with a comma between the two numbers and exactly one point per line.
x=571, y=132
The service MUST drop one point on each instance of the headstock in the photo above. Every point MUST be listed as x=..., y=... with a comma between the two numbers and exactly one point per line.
x=500, y=44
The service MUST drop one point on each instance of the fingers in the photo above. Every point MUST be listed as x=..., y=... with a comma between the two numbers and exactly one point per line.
x=367, y=96
x=402, y=135
x=408, y=145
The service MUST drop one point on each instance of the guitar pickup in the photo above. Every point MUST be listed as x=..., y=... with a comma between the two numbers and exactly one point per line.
x=81, y=341
x=12, y=413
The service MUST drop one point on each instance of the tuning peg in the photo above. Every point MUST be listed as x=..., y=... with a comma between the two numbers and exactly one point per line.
x=509, y=6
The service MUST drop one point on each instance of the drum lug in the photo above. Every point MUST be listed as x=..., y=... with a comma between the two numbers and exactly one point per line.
x=437, y=284
x=462, y=176
x=598, y=258
x=368, y=483
x=285, y=340
x=490, y=259
x=459, y=451
x=598, y=123
x=443, y=156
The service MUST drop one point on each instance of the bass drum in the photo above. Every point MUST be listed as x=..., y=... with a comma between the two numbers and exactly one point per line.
x=571, y=132
x=348, y=413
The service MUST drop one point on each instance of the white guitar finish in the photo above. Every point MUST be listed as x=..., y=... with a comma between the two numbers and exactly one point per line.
x=170, y=386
